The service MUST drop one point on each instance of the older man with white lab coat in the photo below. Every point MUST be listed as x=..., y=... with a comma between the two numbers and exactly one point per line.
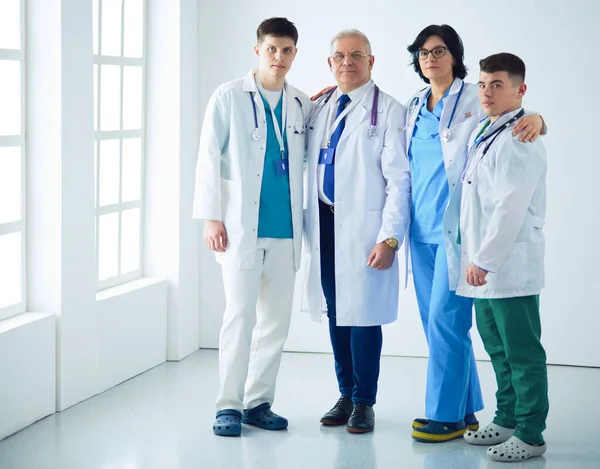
x=356, y=211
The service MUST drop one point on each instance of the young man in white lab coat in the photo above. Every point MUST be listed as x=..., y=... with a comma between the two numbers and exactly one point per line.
x=249, y=194
x=502, y=260
x=357, y=208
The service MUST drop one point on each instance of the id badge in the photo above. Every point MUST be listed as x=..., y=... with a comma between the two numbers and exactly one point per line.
x=326, y=155
x=282, y=167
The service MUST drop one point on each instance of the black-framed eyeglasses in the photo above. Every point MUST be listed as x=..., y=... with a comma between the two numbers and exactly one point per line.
x=437, y=52
x=355, y=56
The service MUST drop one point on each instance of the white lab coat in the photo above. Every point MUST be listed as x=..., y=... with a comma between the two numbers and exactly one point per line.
x=466, y=117
x=372, y=203
x=502, y=215
x=230, y=167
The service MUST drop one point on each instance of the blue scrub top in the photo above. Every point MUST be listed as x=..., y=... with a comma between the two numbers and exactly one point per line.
x=274, y=212
x=430, y=191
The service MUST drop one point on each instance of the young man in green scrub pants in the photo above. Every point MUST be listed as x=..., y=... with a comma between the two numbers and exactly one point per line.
x=502, y=260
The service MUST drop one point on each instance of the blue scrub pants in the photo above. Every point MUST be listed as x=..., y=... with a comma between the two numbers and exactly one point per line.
x=356, y=350
x=453, y=389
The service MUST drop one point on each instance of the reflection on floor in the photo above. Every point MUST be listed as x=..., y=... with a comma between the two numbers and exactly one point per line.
x=163, y=420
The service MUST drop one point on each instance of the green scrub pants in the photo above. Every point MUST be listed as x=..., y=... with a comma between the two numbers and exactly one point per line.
x=510, y=329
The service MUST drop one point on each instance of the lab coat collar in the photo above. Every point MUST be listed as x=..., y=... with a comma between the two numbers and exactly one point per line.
x=455, y=86
x=501, y=120
x=357, y=94
x=249, y=83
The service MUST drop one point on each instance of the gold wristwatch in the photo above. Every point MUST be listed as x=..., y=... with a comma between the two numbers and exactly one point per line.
x=392, y=242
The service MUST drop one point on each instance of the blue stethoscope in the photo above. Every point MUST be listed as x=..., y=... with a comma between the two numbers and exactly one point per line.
x=446, y=133
x=323, y=100
x=467, y=173
x=256, y=135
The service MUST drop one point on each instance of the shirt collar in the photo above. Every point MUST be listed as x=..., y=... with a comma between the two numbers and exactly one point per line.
x=355, y=95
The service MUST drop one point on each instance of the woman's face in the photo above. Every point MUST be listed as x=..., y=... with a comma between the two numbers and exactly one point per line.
x=438, y=61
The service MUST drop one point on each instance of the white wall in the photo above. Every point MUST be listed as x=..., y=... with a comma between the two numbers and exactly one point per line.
x=171, y=246
x=27, y=389
x=555, y=39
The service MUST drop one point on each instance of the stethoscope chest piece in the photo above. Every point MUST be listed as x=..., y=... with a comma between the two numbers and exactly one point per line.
x=256, y=135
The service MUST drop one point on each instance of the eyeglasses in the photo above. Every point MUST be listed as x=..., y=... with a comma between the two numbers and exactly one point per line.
x=355, y=56
x=437, y=52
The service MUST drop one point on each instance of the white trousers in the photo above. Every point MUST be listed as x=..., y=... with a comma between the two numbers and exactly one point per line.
x=258, y=309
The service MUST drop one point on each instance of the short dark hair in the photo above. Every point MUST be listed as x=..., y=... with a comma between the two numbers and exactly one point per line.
x=453, y=42
x=277, y=27
x=504, y=62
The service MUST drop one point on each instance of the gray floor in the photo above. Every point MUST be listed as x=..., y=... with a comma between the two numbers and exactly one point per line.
x=163, y=419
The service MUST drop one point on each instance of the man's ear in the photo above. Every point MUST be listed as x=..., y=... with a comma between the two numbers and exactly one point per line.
x=522, y=89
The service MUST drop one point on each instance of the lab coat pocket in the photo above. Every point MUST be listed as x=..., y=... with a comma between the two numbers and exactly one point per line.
x=231, y=205
x=512, y=275
x=374, y=220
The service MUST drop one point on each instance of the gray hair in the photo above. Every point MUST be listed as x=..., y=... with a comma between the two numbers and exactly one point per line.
x=346, y=33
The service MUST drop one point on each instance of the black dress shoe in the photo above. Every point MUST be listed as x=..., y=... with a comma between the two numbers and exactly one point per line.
x=340, y=413
x=362, y=419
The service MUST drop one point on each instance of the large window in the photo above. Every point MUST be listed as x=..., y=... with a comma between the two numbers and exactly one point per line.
x=12, y=159
x=119, y=43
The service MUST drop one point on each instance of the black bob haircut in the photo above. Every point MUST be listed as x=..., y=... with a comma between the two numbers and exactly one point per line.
x=277, y=27
x=504, y=62
x=452, y=41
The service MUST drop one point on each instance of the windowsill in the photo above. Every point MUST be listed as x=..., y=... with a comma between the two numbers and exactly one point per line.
x=127, y=287
x=21, y=320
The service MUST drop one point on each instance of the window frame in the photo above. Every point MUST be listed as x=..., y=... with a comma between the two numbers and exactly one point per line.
x=100, y=135
x=20, y=141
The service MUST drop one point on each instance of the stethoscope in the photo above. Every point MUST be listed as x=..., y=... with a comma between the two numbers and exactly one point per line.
x=256, y=135
x=303, y=130
x=469, y=170
x=446, y=133
x=323, y=100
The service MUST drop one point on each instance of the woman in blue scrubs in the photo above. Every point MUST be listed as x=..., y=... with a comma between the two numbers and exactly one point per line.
x=440, y=120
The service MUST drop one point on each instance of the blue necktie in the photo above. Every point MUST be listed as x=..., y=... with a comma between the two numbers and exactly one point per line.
x=328, y=179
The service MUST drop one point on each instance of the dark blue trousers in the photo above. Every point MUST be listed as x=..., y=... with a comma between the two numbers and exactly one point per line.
x=356, y=350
